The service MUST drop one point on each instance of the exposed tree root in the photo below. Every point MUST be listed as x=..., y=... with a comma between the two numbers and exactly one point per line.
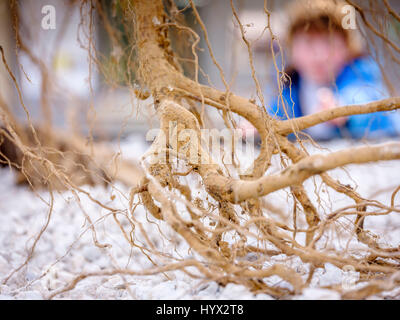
x=67, y=162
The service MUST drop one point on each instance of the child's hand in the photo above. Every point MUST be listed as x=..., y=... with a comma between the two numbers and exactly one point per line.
x=326, y=100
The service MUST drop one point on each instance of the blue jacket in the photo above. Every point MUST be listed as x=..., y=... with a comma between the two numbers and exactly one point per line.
x=360, y=82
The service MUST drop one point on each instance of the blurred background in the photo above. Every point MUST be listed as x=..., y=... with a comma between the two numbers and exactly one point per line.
x=83, y=99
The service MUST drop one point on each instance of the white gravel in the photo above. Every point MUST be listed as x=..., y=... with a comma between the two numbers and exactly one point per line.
x=67, y=247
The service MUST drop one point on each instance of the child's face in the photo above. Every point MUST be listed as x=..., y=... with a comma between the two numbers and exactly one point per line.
x=319, y=57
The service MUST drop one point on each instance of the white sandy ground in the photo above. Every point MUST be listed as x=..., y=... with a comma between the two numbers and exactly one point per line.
x=66, y=248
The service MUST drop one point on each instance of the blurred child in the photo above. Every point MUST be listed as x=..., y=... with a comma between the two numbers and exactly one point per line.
x=329, y=69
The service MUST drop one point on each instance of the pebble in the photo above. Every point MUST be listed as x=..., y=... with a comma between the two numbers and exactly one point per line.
x=4, y=289
x=91, y=253
x=29, y=295
x=318, y=294
x=4, y=265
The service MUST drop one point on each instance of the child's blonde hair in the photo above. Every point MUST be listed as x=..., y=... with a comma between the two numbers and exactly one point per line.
x=322, y=16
